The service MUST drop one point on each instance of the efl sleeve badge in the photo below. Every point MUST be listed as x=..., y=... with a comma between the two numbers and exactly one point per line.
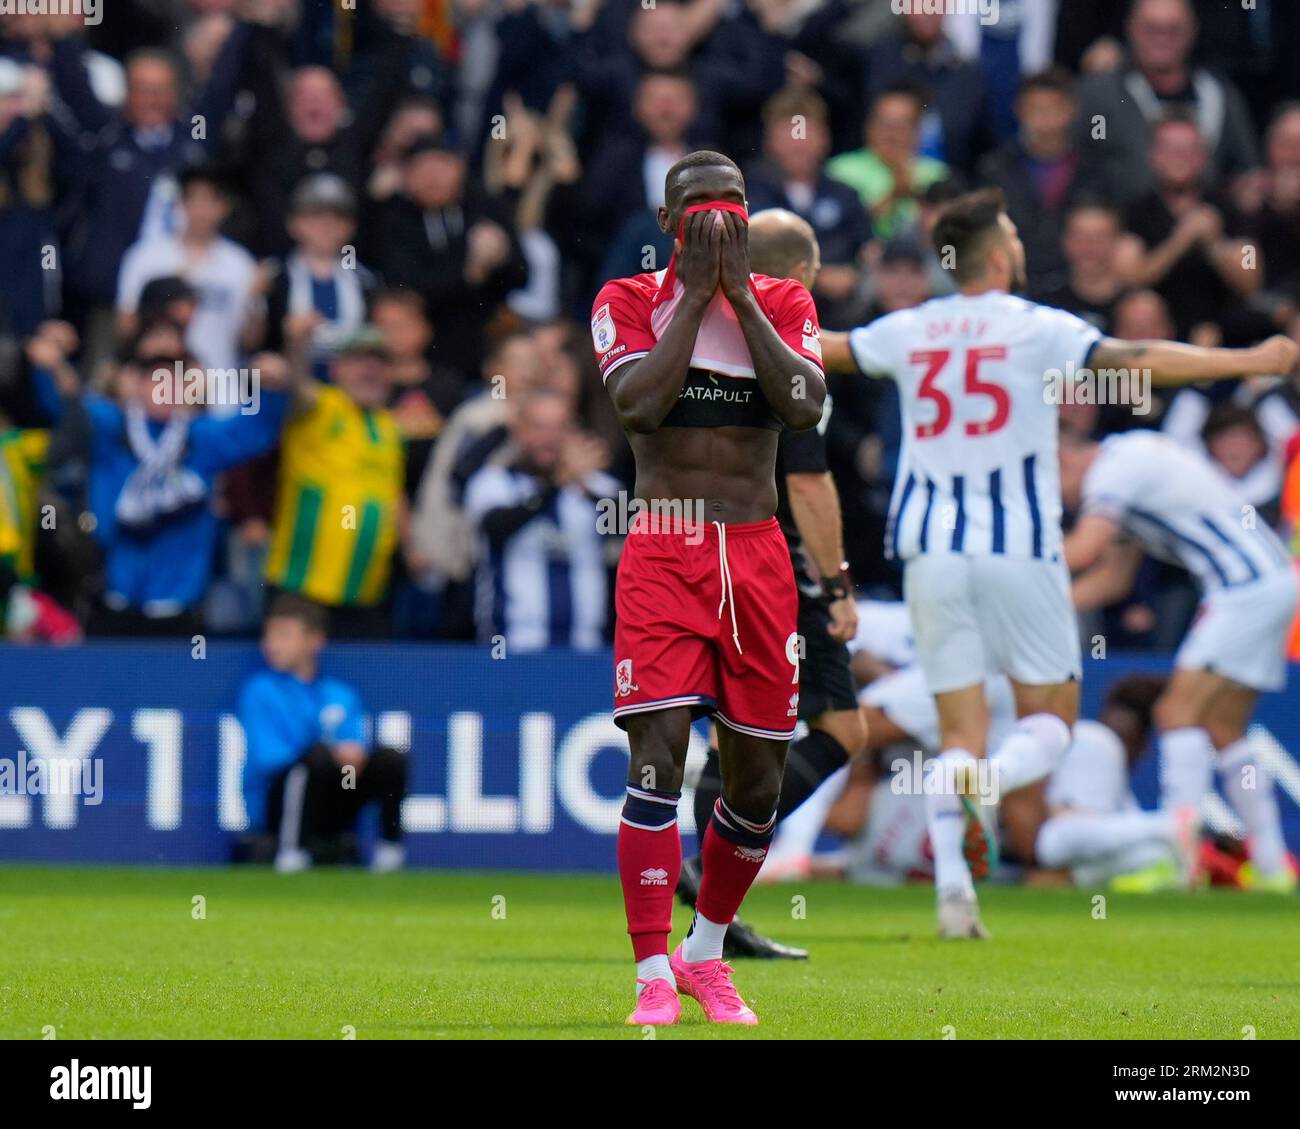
x=603, y=334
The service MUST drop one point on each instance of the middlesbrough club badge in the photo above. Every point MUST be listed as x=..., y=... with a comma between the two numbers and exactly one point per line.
x=623, y=679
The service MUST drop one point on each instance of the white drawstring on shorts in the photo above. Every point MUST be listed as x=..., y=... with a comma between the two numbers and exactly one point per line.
x=728, y=596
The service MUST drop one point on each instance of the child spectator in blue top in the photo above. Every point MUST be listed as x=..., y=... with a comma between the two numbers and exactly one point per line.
x=308, y=770
x=153, y=459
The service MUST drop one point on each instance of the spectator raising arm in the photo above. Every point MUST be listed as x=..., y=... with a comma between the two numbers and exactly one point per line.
x=223, y=443
x=298, y=381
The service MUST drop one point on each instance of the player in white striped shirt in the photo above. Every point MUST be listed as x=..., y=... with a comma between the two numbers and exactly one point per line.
x=976, y=511
x=1171, y=502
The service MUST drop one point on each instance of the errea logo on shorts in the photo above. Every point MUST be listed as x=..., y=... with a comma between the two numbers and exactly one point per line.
x=655, y=876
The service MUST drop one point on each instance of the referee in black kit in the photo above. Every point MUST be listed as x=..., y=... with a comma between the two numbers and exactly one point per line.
x=783, y=245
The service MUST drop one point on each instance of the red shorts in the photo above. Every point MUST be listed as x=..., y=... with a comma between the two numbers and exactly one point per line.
x=685, y=636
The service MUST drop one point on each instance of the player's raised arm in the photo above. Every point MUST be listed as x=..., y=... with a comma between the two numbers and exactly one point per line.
x=794, y=387
x=645, y=391
x=1170, y=362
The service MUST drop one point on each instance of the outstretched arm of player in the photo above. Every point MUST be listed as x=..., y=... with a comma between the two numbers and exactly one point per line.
x=1172, y=363
x=836, y=355
x=1106, y=566
x=794, y=387
x=1088, y=541
x=645, y=391
x=866, y=668
x=883, y=730
x=1109, y=581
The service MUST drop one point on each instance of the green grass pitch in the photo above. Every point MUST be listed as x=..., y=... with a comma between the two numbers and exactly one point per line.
x=123, y=953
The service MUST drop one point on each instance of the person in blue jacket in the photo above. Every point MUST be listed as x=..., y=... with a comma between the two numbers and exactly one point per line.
x=153, y=456
x=309, y=770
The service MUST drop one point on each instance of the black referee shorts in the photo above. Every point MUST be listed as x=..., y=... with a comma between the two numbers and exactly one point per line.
x=825, y=680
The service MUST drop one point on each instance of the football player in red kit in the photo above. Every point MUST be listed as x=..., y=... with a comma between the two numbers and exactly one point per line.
x=706, y=364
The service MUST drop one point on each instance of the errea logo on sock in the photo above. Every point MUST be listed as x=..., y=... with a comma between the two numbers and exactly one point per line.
x=655, y=876
x=751, y=854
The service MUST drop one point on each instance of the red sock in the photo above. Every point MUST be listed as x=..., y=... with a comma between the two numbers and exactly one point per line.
x=731, y=856
x=649, y=862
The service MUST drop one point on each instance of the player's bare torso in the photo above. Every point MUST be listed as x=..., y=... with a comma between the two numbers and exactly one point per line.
x=729, y=471
x=713, y=455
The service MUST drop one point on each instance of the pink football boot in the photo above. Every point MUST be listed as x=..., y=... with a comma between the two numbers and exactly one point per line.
x=709, y=983
x=656, y=1006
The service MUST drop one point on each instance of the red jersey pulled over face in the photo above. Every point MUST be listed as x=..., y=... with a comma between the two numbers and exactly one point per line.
x=706, y=612
x=721, y=389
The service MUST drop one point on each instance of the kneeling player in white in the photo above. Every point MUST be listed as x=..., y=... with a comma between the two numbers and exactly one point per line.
x=1170, y=502
x=1088, y=828
x=1096, y=831
x=976, y=509
x=1093, y=828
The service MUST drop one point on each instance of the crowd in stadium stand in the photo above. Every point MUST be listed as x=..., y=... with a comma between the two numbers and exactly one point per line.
x=416, y=200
